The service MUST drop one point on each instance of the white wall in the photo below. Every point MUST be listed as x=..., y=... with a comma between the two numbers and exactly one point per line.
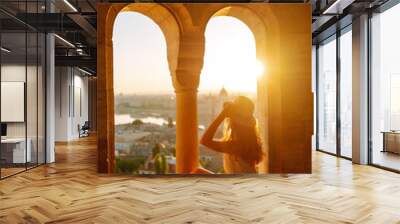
x=16, y=73
x=71, y=94
x=62, y=81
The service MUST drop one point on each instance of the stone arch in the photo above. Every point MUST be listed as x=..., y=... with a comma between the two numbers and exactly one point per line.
x=166, y=21
x=251, y=19
x=259, y=30
x=168, y=24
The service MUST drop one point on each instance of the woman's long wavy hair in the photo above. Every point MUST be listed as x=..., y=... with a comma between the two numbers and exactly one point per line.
x=241, y=129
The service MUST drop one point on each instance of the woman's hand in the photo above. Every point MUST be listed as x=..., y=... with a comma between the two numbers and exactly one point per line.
x=227, y=109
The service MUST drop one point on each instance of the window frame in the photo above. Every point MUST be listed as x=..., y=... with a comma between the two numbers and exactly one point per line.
x=378, y=10
x=26, y=30
x=334, y=37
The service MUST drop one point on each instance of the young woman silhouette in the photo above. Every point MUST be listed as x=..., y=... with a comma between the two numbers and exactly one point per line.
x=241, y=143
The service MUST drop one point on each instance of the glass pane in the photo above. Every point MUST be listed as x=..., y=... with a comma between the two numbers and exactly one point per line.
x=346, y=94
x=31, y=97
x=314, y=90
x=41, y=99
x=13, y=86
x=386, y=89
x=327, y=97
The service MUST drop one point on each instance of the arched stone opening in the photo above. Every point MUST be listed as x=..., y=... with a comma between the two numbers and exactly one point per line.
x=170, y=28
x=143, y=91
x=228, y=71
x=252, y=20
x=136, y=51
x=168, y=25
x=258, y=28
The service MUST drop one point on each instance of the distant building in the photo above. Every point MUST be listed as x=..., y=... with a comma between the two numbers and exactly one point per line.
x=223, y=93
x=222, y=98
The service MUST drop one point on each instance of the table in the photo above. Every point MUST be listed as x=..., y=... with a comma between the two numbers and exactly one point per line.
x=391, y=141
x=13, y=150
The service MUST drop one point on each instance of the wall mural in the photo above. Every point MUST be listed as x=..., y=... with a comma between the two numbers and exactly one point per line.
x=204, y=88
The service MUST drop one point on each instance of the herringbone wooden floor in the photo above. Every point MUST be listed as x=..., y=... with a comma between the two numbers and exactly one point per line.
x=70, y=191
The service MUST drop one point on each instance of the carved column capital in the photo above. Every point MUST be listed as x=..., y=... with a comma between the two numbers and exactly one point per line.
x=185, y=81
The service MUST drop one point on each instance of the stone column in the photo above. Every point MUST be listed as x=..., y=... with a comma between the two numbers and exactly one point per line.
x=186, y=81
x=187, y=152
x=105, y=92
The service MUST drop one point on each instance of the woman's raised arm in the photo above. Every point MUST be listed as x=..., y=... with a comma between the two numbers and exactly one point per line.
x=208, y=137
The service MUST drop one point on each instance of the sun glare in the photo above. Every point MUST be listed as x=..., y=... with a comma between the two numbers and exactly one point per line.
x=258, y=69
x=230, y=57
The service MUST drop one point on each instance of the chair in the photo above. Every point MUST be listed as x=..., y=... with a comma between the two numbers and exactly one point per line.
x=84, y=130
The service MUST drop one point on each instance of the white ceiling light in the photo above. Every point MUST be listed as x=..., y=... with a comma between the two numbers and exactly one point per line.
x=84, y=71
x=70, y=5
x=5, y=50
x=65, y=41
x=337, y=7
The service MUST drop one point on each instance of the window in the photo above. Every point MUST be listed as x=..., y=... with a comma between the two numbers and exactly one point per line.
x=394, y=102
x=22, y=77
x=385, y=89
x=334, y=94
x=346, y=94
x=327, y=96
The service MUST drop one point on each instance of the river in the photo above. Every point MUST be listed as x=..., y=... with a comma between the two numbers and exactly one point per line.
x=126, y=119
